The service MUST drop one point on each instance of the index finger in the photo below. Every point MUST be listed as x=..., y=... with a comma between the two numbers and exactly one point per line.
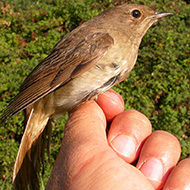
x=111, y=103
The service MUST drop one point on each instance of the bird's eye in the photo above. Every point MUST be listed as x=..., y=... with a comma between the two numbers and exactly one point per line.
x=136, y=13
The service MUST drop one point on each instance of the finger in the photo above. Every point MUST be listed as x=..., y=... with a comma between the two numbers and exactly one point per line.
x=158, y=156
x=127, y=134
x=179, y=177
x=87, y=121
x=84, y=138
x=111, y=103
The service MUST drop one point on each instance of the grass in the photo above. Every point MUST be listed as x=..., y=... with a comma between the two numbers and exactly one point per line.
x=158, y=86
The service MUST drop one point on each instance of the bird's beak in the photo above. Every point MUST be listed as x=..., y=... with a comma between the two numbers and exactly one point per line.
x=161, y=15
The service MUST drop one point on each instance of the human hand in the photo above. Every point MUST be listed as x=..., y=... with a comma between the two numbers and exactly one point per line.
x=90, y=159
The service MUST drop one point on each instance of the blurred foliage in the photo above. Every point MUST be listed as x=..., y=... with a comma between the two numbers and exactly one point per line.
x=158, y=86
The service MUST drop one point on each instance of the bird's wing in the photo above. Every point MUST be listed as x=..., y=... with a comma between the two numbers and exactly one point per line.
x=71, y=57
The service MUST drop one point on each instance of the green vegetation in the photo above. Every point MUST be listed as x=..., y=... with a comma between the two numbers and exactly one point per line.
x=159, y=85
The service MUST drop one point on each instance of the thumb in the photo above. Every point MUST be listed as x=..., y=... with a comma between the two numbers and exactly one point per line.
x=84, y=138
x=86, y=124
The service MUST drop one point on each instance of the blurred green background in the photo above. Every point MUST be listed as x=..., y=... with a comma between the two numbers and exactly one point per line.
x=158, y=86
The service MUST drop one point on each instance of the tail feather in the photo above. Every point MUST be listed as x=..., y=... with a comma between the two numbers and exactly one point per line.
x=31, y=151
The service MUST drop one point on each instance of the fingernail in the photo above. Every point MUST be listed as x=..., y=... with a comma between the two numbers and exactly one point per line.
x=115, y=98
x=152, y=169
x=124, y=145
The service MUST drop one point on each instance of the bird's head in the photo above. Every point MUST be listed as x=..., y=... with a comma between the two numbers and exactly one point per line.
x=133, y=19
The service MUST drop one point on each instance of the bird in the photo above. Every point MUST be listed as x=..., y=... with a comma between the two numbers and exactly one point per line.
x=88, y=61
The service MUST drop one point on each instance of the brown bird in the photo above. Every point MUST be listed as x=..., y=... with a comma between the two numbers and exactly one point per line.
x=88, y=61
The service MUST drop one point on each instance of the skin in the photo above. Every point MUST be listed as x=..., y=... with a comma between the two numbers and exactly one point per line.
x=90, y=159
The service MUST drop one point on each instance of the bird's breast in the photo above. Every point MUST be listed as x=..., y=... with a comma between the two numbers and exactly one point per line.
x=113, y=68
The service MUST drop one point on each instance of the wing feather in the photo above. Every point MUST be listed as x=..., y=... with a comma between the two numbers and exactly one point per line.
x=71, y=57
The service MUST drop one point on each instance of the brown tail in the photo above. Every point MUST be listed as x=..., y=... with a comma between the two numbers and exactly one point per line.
x=31, y=150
